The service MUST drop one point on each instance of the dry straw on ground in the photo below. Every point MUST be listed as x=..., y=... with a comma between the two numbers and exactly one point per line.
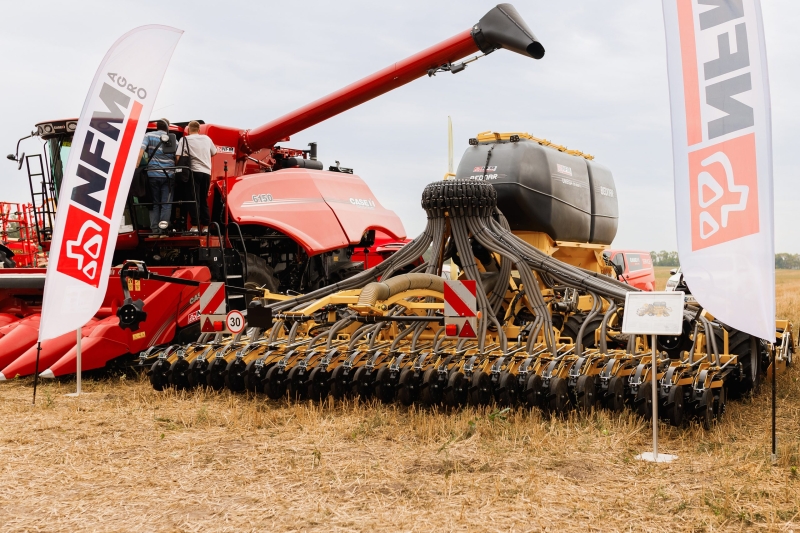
x=126, y=458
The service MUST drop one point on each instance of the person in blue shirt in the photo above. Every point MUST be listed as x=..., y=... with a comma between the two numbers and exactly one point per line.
x=160, y=181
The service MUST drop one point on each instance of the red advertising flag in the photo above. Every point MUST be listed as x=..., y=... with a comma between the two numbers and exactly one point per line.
x=722, y=158
x=98, y=175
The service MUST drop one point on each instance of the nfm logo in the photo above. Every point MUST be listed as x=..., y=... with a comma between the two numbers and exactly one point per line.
x=103, y=153
x=718, y=89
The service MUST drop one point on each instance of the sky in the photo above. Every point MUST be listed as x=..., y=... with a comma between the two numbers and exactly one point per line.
x=601, y=88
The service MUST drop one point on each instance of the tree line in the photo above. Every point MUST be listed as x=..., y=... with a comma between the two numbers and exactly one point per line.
x=670, y=259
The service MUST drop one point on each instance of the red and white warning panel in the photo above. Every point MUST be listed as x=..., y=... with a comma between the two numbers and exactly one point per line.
x=460, y=309
x=213, y=310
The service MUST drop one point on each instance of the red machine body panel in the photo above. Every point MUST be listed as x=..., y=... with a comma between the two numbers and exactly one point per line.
x=301, y=202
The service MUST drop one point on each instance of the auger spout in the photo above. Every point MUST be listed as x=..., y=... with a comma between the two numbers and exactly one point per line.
x=501, y=27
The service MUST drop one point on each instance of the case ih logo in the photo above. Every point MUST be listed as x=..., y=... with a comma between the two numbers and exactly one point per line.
x=723, y=178
x=104, y=152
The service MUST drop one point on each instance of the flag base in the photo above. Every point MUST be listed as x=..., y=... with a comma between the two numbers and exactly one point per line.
x=660, y=458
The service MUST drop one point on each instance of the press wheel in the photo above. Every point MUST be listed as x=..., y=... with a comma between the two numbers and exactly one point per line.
x=178, y=377
x=339, y=385
x=559, y=396
x=615, y=395
x=533, y=391
x=316, y=388
x=507, y=388
x=295, y=381
x=158, y=374
x=585, y=394
x=274, y=385
x=674, y=408
x=456, y=391
x=234, y=375
x=431, y=392
x=197, y=372
x=384, y=390
x=361, y=383
x=252, y=381
x=215, y=376
x=405, y=387
x=480, y=393
x=644, y=400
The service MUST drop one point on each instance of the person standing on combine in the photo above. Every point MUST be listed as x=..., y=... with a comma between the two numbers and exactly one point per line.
x=159, y=180
x=199, y=148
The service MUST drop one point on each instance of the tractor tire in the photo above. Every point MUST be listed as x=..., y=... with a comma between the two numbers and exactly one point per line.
x=751, y=359
x=573, y=326
x=260, y=274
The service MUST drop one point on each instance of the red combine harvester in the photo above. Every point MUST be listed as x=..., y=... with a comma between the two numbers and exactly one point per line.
x=279, y=220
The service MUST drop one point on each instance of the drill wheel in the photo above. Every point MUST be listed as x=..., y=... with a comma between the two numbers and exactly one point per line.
x=253, y=376
x=362, y=383
x=295, y=381
x=235, y=375
x=406, y=387
x=644, y=401
x=158, y=374
x=480, y=393
x=559, y=396
x=197, y=373
x=317, y=384
x=585, y=394
x=674, y=409
x=455, y=394
x=431, y=393
x=615, y=395
x=215, y=377
x=339, y=383
x=384, y=388
x=178, y=374
x=533, y=391
x=507, y=389
x=274, y=384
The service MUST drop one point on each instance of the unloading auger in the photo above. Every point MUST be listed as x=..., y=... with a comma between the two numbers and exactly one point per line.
x=548, y=333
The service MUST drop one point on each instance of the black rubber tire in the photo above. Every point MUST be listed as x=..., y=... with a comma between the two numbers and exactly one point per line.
x=405, y=387
x=559, y=401
x=431, y=391
x=361, y=385
x=260, y=274
x=316, y=385
x=615, y=395
x=533, y=391
x=197, y=373
x=252, y=382
x=158, y=374
x=455, y=394
x=178, y=374
x=215, y=375
x=751, y=355
x=644, y=400
x=585, y=393
x=705, y=409
x=573, y=326
x=480, y=390
x=384, y=388
x=188, y=334
x=507, y=389
x=235, y=374
x=295, y=383
x=339, y=384
x=674, y=410
x=274, y=383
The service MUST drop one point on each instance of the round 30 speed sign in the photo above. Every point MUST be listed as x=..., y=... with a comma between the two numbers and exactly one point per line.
x=235, y=321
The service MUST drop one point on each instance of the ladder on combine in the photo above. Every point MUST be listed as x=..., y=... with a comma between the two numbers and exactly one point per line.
x=43, y=196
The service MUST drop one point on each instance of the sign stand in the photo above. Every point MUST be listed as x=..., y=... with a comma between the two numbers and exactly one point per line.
x=774, y=408
x=654, y=456
x=654, y=313
x=78, y=363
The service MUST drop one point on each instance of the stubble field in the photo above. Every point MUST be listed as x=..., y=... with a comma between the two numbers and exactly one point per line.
x=125, y=458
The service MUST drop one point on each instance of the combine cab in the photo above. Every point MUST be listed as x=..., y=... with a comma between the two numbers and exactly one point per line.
x=280, y=220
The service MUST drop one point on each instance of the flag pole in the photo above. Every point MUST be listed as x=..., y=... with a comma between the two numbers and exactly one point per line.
x=36, y=371
x=80, y=335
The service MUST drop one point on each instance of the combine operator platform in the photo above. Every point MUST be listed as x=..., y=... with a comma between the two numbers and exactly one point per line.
x=547, y=333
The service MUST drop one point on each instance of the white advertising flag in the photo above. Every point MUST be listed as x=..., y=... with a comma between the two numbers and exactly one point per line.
x=722, y=157
x=98, y=176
